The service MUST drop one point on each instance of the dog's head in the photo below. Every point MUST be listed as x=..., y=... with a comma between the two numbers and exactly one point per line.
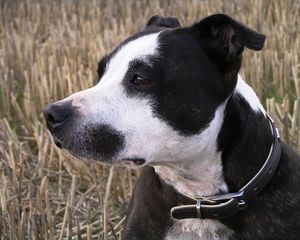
x=160, y=94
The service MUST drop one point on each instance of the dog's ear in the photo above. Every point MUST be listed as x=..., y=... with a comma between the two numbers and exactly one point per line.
x=225, y=38
x=164, y=22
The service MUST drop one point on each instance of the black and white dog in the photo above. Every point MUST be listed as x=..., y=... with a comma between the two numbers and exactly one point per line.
x=170, y=98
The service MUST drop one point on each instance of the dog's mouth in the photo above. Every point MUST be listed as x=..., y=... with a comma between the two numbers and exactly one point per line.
x=131, y=162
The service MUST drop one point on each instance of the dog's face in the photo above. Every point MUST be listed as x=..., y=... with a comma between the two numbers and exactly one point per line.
x=160, y=94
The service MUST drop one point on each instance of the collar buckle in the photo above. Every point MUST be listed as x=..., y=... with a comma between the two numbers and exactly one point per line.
x=217, y=199
x=225, y=196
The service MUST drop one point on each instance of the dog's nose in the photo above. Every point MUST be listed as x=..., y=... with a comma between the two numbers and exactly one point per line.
x=56, y=114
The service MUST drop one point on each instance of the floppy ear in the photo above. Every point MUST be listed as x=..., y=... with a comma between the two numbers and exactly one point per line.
x=223, y=40
x=163, y=22
x=223, y=36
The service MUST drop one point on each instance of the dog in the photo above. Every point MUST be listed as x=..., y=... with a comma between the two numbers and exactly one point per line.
x=170, y=100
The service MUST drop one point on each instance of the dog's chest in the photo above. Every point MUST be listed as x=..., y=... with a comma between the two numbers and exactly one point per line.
x=192, y=229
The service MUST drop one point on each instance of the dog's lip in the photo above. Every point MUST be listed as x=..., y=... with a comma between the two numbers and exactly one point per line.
x=136, y=161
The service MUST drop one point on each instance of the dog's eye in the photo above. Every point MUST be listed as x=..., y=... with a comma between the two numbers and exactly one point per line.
x=138, y=80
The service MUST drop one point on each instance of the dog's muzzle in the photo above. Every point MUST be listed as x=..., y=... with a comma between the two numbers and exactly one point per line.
x=83, y=139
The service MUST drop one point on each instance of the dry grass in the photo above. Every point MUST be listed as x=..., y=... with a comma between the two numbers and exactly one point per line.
x=49, y=49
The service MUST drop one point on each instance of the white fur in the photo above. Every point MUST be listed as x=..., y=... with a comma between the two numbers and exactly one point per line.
x=249, y=95
x=198, y=159
x=192, y=229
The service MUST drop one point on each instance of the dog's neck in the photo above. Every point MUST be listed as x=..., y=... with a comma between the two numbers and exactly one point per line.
x=201, y=173
x=195, y=178
x=230, y=160
x=245, y=137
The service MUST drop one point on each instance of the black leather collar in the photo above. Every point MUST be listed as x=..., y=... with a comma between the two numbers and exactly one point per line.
x=225, y=205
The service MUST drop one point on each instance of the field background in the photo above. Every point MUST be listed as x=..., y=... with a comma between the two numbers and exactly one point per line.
x=49, y=49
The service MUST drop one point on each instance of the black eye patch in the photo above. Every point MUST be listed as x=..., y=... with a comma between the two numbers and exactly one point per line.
x=148, y=71
x=136, y=67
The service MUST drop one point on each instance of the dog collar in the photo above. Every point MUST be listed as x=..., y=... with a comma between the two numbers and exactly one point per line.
x=225, y=205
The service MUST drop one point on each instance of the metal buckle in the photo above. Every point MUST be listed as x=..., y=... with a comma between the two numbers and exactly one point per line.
x=198, y=208
x=241, y=204
x=222, y=197
x=226, y=196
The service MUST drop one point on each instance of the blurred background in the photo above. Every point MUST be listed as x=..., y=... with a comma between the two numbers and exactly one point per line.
x=50, y=49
